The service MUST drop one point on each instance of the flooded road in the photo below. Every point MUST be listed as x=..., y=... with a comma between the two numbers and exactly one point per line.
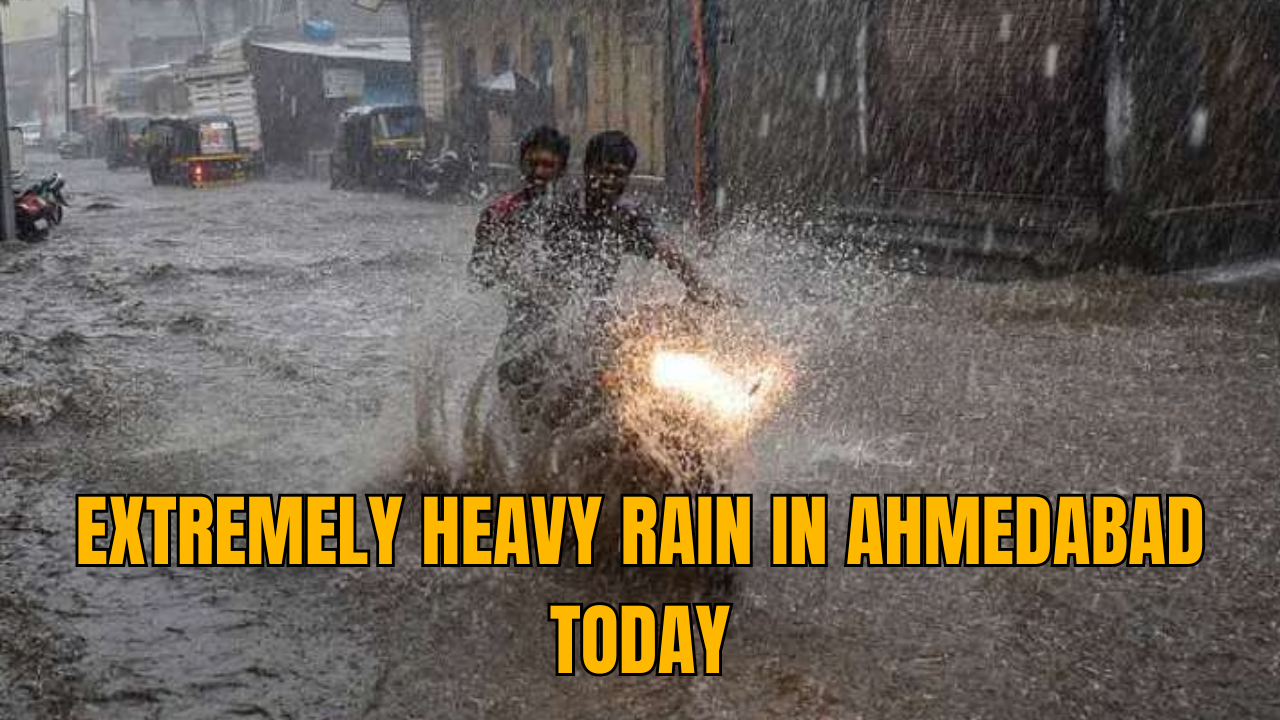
x=268, y=339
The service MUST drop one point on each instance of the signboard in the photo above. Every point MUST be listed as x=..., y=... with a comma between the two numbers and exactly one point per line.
x=216, y=137
x=343, y=83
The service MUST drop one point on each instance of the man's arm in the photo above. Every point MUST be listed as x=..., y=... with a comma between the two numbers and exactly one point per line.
x=648, y=241
x=666, y=251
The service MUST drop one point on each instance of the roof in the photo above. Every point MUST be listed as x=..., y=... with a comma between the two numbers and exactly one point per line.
x=371, y=109
x=393, y=50
x=143, y=71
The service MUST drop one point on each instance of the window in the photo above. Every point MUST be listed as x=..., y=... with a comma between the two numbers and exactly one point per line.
x=579, y=61
x=501, y=58
x=543, y=63
x=398, y=125
x=467, y=66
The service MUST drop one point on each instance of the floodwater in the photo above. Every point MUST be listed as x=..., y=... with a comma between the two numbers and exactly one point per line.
x=269, y=339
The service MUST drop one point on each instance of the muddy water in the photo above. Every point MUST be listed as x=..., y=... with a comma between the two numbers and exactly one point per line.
x=268, y=338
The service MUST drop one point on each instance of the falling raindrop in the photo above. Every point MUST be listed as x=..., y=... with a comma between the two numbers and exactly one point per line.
x=1051, y=61
x=821, y=89
x=1199, y=130
x=1006, y=27
x=765, y=122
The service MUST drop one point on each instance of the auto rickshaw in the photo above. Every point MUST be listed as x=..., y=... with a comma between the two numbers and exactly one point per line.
x=194, y=152
x=123, y=136
x=374, y=143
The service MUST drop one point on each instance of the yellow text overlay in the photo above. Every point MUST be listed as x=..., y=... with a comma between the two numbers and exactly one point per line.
x=639, y=640
x=527, y=531
x=1026, y=530
x=233, y=530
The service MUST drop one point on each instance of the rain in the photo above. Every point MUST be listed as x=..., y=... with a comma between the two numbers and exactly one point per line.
x=865, y=248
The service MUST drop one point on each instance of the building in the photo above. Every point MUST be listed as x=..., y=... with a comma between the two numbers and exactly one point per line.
x=601, y=64
x=1069, y=129
x=140, y=33
x=32, y=81
x=34, y=20
x=37, y=57
x=302, y=88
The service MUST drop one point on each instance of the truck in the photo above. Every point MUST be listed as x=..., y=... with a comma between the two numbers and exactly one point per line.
x=226, y=89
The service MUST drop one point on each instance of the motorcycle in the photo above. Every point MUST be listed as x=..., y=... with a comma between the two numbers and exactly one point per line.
x=654, y=401
x=39, y=207
x=449, y=175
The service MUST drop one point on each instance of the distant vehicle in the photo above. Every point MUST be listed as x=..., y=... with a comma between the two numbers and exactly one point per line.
x=451, y=174
x=74, y=146
x=374, y=145
x=226, y=89
x=123, y=137
x=194, y=152
x=32, y=134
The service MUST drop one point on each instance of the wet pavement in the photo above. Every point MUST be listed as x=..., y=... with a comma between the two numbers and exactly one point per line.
x=268, y=338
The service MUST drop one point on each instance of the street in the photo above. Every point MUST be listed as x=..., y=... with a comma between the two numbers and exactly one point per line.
x=268, y=339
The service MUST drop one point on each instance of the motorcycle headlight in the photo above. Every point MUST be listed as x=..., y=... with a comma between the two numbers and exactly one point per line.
x=729, y=396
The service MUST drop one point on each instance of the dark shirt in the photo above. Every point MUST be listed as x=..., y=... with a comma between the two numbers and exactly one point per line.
x=584, y=248
x=545, y=254
x=574, y=256
x=502, y=237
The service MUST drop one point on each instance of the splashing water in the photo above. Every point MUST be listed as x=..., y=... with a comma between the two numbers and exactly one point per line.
x=471, y=437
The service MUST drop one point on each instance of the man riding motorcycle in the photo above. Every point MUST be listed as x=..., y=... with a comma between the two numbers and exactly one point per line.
x=569, y=252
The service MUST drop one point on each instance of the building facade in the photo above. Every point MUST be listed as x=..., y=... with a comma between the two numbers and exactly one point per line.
x=1104, y=128
x=591, y=66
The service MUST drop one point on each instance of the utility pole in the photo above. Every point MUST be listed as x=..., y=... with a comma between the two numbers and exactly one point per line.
x=66, y=68
x=8, y=231
x=91, y=94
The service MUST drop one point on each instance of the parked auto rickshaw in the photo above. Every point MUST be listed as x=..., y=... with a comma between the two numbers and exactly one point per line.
x=123, y=137
x=373, y=145
x=194, y=152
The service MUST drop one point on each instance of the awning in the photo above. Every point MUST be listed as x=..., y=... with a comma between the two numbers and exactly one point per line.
x=391, y=50
x=509, y=82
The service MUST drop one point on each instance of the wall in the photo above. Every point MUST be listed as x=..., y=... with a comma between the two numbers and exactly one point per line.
x=1000, y=97
x=28, y=20
x=790, y=134
x=620, y=78
x=1204, y=176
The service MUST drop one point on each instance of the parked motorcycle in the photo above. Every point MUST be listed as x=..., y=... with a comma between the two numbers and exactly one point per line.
x=39, y=207
x=450, y=175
